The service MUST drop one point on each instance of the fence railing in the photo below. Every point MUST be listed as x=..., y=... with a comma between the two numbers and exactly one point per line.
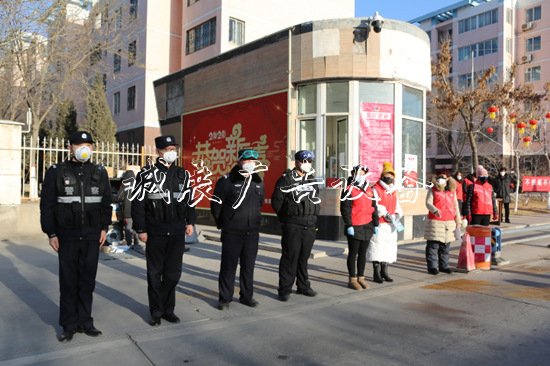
x=37, y=155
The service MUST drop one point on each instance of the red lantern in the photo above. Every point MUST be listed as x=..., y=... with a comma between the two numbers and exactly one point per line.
x=521, y=128
x=533, y=123
x=513, y=116
x=490, y=130
x=547, y=117
x=493, y=112
x=527, y=140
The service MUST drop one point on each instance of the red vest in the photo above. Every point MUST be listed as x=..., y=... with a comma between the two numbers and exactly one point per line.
x=361, y=207
x=445, y=203
x=482, y=199
x=459, y=191
x=387, y=200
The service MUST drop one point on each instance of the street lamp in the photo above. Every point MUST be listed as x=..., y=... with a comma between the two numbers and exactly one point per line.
x=361, y=32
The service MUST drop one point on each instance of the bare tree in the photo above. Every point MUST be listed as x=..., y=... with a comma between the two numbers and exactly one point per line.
x=465, y=112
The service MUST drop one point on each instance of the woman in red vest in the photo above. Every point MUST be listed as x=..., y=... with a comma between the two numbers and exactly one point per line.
x=383, y=245
x=480, y=201
x=358, y=209
x=443, y=220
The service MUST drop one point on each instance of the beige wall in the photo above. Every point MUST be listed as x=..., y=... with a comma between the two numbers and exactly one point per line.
x=10, y=161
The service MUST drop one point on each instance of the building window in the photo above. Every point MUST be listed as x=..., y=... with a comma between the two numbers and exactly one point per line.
x=479, y=49
x=467, y=24
x=116, y=61
x=307, y=99
x=131, y=98
x=412, y=102
x=95, y=56
x=336, y=148
x=509, y=16
x=478, y=21
x=104, y=80
x=201, y=36
x=533, y=14
x=118, y=19
x=133, y=9
x=191, y=2
x=532, y=74
x=236, y=31
x=338, y=97
x=174, y=99
x=116, y=103
x=532, y=44
x=105, y=15
x=465, y=81
x=412, y=149
x=306, y=135
x=131, y=53
x=509, y=45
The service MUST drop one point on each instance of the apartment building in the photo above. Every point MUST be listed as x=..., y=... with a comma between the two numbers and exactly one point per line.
x=169, y=35
x=486, y=33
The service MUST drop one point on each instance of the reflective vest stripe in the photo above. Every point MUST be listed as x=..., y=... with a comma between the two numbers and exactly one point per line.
x=87, y=199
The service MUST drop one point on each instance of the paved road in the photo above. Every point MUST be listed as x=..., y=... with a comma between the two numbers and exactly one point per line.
x=496, y=317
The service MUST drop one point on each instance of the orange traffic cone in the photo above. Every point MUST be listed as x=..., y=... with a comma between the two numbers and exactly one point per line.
x=466, y=260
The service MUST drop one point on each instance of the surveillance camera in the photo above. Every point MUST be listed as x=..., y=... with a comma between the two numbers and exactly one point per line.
x=377, y=22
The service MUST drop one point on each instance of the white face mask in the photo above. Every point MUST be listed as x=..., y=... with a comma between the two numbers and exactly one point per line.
x=442, y=181
x=459, y=177
x=249, y=167
x=306, y=167
x=83, y=154
x=502, y=174
x=360, y=179
x=170, y=156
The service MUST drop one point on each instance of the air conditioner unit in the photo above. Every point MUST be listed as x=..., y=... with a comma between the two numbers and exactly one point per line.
x=527, y=58
x=526, y=26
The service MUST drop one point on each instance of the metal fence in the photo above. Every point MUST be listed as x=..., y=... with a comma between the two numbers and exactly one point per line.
x=37, y=155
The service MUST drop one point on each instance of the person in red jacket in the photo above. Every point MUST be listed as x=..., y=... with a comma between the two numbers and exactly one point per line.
x=459, y=189
x=358, y=209
x=480, y=201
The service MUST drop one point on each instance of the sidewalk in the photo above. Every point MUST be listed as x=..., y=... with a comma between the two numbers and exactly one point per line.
x=30, y=293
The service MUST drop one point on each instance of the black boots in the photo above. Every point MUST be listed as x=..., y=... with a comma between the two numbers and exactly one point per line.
x=384, y=272
x=376, y=272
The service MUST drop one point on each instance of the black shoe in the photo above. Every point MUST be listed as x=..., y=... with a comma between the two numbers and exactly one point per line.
x=223, y=305
x=284, y=298
x=172, y=318
x=433, y=271
x=252, y=303
x=154, y=321
x=91, y=332
x=446, y=270
x=507, y=221
x=307, y=292
x=66, y=336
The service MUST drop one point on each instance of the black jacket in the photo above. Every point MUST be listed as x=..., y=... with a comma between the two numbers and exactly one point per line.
x=289, y=207
x=75, y=200
x=502, y=187
x=246, y=217
x=162, y=216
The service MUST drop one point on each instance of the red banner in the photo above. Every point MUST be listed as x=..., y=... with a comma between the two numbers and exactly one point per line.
x=376, y=143
x=216, y=135
x=535, y=184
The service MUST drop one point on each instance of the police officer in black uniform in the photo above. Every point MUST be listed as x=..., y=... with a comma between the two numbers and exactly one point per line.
x=238, y=216
x=162, y=218
x=75, y=213
x=296, y=203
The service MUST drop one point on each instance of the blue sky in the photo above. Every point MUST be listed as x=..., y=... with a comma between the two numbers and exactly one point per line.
x=399, y=9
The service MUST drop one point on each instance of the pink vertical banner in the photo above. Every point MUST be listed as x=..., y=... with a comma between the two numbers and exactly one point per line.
x=376, y=137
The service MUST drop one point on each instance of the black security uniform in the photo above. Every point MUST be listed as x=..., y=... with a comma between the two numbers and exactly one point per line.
x=75, y=206
x=240, y=232
x=163, y=217
x=299, y=220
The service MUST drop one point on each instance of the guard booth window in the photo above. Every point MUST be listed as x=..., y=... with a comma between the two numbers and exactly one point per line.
x=336, y=149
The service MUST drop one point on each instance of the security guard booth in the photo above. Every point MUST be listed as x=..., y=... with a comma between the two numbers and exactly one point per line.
x=315, y=86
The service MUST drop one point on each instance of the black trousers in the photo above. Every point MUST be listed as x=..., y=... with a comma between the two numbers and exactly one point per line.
x=357, y=252
x=437, y=255
x=506, y=211
x=297, y=242
x=164, y=256
x=484, y=220
x=235, y=247
x=77, y=273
